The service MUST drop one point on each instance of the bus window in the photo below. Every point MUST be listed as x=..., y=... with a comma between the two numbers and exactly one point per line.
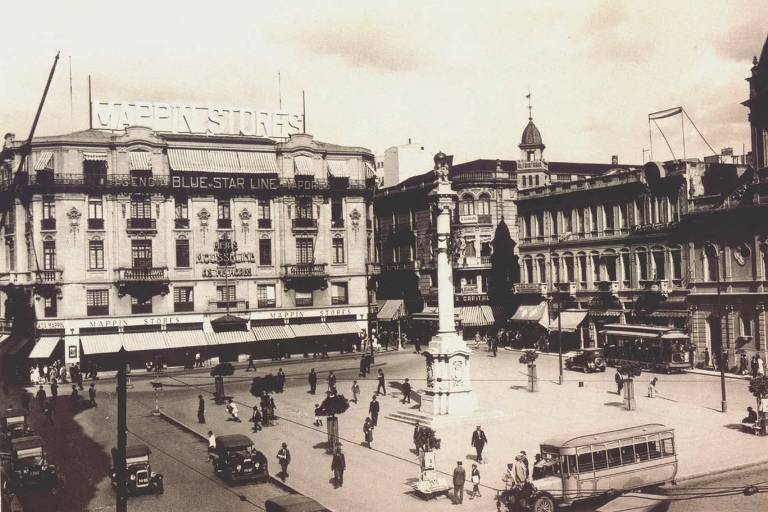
x=613, y=453
x=599, y=457
x=584, y=460
x=667, y=446
x=627, y=452
x=641, y=449
x=569, y=464
x=654, y=450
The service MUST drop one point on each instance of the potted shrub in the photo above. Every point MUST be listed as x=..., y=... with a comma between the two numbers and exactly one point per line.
x=330, y=408
x=759, y=388
x=528, y=358
x=629, y=370
x=218, y=373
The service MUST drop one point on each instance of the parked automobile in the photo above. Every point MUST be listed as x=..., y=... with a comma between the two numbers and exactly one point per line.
x=587, y=360
x=30, y=467
x=293, y=503
x=236, y=459
x=141, y=478
x=13, y=424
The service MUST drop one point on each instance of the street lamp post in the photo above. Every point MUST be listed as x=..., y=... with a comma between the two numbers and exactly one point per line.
x=724, y=401
x=556, y=291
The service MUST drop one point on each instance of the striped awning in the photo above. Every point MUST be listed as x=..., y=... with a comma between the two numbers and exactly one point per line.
x=272, y=332
x=338, y=168
x=44, y=160
x=569, y=321
x=309, y=330
x=136, y=341
x=392, y=309
x=302, y=165
x=44, y=347
x=184, y=339
x=370, y=172
x=347, y=327
x=529, y=313
x=472, y=316
x=199, y=160
x=94, y=157
x=229, y=337
x=140, y=161
x=101, y=344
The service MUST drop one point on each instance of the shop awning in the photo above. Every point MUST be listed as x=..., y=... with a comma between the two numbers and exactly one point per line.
x=630, y=334
x=229, y=337
x=675, y=336
x=392, y=309
x=338, y=168
x=140, y=161
x=95, y=157
x=101, y=344
x=369, y=170
x=44, y=347
x=302, y=165
x=347, y=327
x=473, y=316
x=272, y=332
x=43, y=160
x=135, y=341
x=569, y=321
x=309, y=330
x=199, y=160
x=185, y=339
x=529, y=312
x=18, y=345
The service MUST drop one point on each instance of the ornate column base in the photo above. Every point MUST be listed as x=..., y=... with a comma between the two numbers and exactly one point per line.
x=451, y=391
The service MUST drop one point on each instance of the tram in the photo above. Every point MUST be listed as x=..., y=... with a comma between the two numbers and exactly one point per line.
x=653, y=347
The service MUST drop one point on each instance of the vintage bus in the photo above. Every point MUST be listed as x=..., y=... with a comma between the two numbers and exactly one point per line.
x=576, y=467
x=652, y=347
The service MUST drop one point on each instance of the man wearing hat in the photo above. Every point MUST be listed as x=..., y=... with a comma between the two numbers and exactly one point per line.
x=479, y=441
x=284, y=458
x=459, y=477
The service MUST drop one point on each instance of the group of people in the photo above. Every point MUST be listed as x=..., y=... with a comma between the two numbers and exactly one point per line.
x=59, y=373
x=753, y=366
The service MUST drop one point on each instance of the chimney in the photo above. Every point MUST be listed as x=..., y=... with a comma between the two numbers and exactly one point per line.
x=614, y=159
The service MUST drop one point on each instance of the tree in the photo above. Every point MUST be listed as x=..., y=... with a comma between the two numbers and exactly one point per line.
x=630, y=369
x=218, y=373
x=505, y=269
x=759, y=387
x=529, y=357
x=333, y=405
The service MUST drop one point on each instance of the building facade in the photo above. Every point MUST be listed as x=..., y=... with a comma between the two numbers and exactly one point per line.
x=114, y=233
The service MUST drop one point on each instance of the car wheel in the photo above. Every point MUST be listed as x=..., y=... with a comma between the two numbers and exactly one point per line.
x=544, y=504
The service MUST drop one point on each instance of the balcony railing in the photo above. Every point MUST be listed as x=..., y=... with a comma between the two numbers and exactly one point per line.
x=303, y=302
x=473, y=262
x=657, y=286
x=142, y=224
x=181, y=223
x=611, y=287
x=374, y=268
x=47, y=224
x=183, y=307
x=267, y=303
x=484, y=219
x=407, y=266
x=531, y=288
x=305, y=223
x=224, y=223
x=264, y=223
x=567, y=288
x=305, y=270
x=653, y=228
x=231, y=304
x=337, y=223
x=48, y=276
x=338, y=301
x=142, y=274
x=97, y=224
x=479, y=176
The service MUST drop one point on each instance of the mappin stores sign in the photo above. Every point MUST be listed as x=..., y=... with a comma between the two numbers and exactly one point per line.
x=212, y=120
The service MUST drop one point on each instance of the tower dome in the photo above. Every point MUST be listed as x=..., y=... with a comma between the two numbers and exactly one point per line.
x=531, y=136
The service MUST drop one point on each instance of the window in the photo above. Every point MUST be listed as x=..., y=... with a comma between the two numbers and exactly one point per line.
x=95, y=171
x=528, y=269
x=570, y=274
x=625, y=268
x=667, y=446
x=97, y=302
x=303, y=299
x=677, y=263
x=673, y=209
x=182, y=253
x=49, y=255
x=584, y=459
x=537, y=180
x=95, y=213
x=745, y=324
x=554, y=223
x=609, y=263
x=337, y=213
x=141, y=253
x=484, y=204
x=541, y=269
x=265, y=251
x=467, y=205
x=711, y=263
x=265, y=294
x=264, y=213
x=659, y=263
x=595, y=261
x=49, y=207
x=224, y=214
x=338, y=250
x=183, y=299
x=567, y=221
x=305, y=251
x=540, y=224
x=556, y=268
x=139, y=307
x=141, y=207
x=599, y=457
x=50, y=308
x=640, y=217
x=580, y=227
x=764, y=250
x=96, y=255
x=10, y=254
x=527, y=233
x=181, y=207
x=623, y=215
x=608, y=216
x=469, y=247
x=583, y=271
x=642, y=264
x=225, y=294
x=339, y=293
x=304, y=208
x=593, y=218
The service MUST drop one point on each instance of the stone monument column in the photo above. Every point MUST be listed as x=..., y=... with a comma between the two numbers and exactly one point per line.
x=449, y=386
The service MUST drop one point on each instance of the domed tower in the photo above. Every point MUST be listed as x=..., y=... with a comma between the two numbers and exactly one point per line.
x=531, y=168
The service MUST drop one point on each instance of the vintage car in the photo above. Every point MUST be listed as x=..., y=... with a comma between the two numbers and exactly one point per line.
x=30, y=467
x=236, y=459
x=293, y=503
x=587, y=360
x=13, y=424
x=141, y=479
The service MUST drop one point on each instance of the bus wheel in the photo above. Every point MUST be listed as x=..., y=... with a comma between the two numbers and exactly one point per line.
x=543, y=503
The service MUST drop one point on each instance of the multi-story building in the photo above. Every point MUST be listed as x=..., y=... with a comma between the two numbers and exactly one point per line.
x=111, y=235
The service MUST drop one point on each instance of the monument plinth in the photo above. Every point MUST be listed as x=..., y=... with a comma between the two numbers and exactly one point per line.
x=449, y=386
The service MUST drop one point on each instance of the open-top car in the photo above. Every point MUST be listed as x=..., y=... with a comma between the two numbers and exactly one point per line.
x=30, y=467
x=13, y=424
x=587, y=360
x=236, y=459
x=141, y=478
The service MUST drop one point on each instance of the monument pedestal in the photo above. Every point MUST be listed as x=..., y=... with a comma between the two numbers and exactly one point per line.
x=449, y=387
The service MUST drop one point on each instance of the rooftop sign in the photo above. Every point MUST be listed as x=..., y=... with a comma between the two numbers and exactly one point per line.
x=187, y=119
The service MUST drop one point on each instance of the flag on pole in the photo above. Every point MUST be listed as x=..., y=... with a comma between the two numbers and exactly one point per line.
x=528, y=95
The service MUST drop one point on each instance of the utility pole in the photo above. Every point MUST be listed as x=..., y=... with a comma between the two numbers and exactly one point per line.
x=121, y=504
x=724, y=401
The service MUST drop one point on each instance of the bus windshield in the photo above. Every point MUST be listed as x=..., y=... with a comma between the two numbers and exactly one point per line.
x=546, y=464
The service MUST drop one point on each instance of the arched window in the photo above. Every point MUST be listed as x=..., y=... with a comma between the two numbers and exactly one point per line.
x=583, y=269
x=528, y=269
x=541, y=269
x=570, y=268
x=659, y=260
x=675, y=255
x=556, y=278
x=641, y=257
x=745, y=324
x=467, y=204
x=484, y=204
x=626, y=272
x=711, y=263
x=594, y=261
x=609, y=264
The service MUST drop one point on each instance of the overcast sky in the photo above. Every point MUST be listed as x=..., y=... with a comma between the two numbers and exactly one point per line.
x=450, y=75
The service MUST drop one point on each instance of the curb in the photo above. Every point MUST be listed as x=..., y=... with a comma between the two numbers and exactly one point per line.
x=717, y=374
x=275, y=481
x=704, y=474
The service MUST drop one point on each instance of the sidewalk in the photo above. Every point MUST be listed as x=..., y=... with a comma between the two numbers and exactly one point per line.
x=715, y=373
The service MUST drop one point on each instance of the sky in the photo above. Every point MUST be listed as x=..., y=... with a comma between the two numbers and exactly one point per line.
x=450, y=75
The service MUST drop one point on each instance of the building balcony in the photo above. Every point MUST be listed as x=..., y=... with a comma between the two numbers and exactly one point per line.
x=373, y=269
x=183, y=307
x=484, y=219
x=657, y=227
x=304, y=224
x=531, y=289
x=611, y=287
x=267, y=303
x=96, y=224
x=567, y=288
x=264, y=223
x=467, y=262
x=655, y=286
x=525, y=165
x=223, y=223
x=236, y=304
x=480, y=176
x=141, y=224
x=48, y=224
x=337, y=223
x=400, y=266
x=48, y=276
x=180, y=223
x=300, y=270
x=142, y=275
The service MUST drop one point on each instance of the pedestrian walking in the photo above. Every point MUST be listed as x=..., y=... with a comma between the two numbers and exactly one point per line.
x=362, y=365
x=652, y=387
x=200, y=409
x=211, y=444
x=706, y=357
x=475, y=478
x=312, y=378
x=619, y=382
x=479, y=440
x=743, y=363
x=284, y=458
x=318, y=419
x=338, y=465
x=368, y=427
x=41, y=396
x=760, y=366
x=280, y=380
x=54, y=392
x=374, y=408
x=753, y=366
x=494, y=345
x=331, y=380
x=272, y=408
x=92, y=395
x=459, y=477
x=78, y=376
x=48, y=410
x=524, y=459
x=355, y=390
x=198, y=360
x=417, y=437
x=256, y=418
x=382, y=385
x=74, y=397
x=63, y=374
x=233, y=411
x=406, y=391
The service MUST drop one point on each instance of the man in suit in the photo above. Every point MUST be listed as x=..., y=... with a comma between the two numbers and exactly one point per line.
x=406, y=392
x=312, y=381
x=200, y=409
x=381, y=386
x=479, y=441
x=374, y=408
x=338, y=465
x=459, y=477
x=283, y=458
